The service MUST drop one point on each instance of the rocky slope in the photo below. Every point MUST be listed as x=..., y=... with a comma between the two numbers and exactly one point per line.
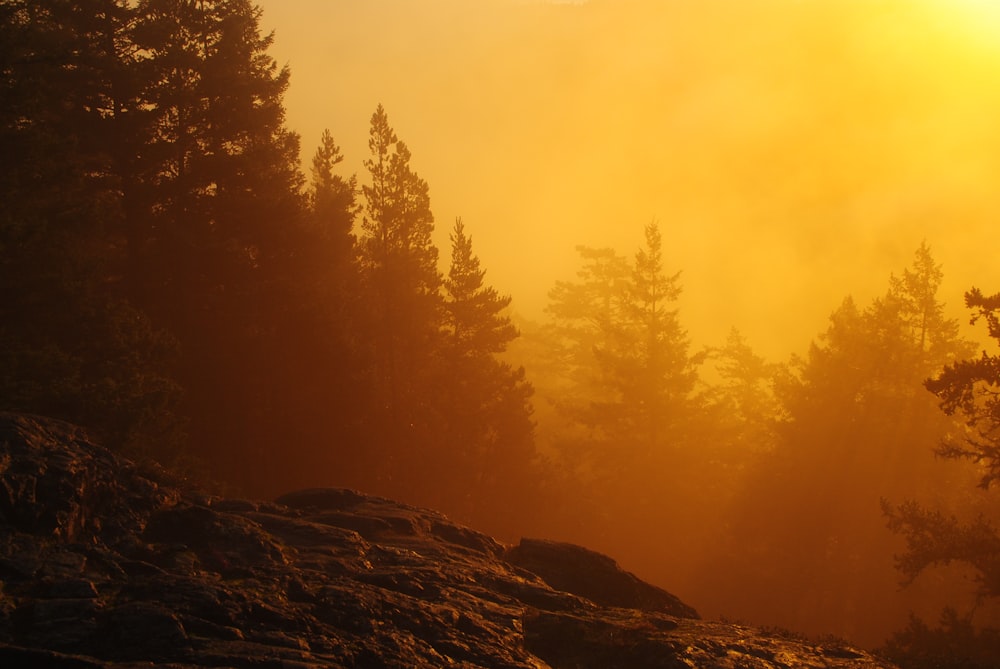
x=105, y=565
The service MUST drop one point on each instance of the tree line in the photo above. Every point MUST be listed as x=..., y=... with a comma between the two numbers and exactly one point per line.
x=171, y=278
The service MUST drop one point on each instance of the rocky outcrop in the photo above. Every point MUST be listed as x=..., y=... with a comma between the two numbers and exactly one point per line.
x=593, y=576
x=104, y=564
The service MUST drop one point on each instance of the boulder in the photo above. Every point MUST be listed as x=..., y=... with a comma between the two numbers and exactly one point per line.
x=592, y=575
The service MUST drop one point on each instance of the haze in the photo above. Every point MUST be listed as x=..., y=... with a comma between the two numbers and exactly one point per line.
x=485, y=322
x=792, y=152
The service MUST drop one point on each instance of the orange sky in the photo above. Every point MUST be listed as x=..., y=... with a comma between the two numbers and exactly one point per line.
x=793, y=151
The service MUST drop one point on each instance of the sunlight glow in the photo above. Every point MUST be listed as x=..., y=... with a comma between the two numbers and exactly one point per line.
x=774, y=138
x=977, y=21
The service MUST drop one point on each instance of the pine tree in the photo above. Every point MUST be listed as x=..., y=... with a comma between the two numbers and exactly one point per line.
x=222, y=164
x=325, y=261
x=633, y=375
x=397, y=253
x=212, y=233
x=488, y=432
x=857, y=425
x=585, y=314
x=399, y=271
x=743, y=408
x=476, y=322
x=969, y=390
x=73, y=346
x=333, y=200
x=932, y=333
x=648, y=364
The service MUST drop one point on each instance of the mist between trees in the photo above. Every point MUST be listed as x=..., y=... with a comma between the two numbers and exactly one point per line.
x=170, y=279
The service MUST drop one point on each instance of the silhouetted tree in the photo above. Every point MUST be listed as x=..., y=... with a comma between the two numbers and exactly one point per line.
x=854, y=418
x=646, y=359
x=399, y=269
x=932, y=333
x=154, y=196
x=956, y=644
x=333, y=200
x=737, y=424
x=73, y=346
x=970, y=389
x=583, y=315
x=320, y=364
x=488, y=432
x=622, y=380
x=224, y=166
x=325, y=259
x=211, y=232
x=476, y=323
x=630, y=374
x=742, y=406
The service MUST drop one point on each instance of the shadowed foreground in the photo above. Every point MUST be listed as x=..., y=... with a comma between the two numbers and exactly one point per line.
x=105, y=565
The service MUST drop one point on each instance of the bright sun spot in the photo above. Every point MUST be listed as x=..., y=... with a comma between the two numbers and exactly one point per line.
x=975, y=20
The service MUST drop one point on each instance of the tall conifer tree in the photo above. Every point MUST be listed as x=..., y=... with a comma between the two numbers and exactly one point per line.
x=647, y=360
x=72, y=345
x=476, y=320
x=856, y=425
x=487, y=430
x=634, y=375
x=333, y=199
x=399, y=269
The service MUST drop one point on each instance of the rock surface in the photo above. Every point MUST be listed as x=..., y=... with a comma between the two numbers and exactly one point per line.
x=103, y=564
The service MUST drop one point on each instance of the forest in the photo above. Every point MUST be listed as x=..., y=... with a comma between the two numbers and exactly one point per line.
x=184, y=279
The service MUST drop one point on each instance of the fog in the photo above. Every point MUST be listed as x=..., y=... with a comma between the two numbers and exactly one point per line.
x=792, y=152
x=670, y=280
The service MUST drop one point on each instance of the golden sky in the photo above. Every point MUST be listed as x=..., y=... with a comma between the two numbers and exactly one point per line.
x=793, y=151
